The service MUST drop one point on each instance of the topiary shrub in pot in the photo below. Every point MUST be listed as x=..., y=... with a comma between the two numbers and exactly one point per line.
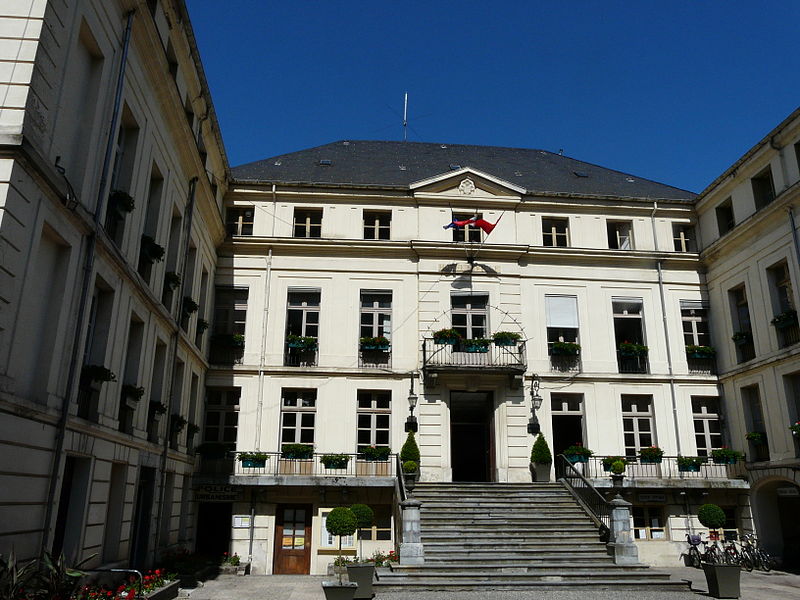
x=362, y=572
x=722, y=579
x=409, y=454
x=541, y=459
x=340, y=521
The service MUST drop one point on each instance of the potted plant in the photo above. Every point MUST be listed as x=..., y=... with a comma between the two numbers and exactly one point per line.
x=202, y=325
x=617, y=469
x=480, y=345
x=172, y=280
x=132, y=392
x=759, y=438
x=629, y=349
x=578, y=453
x=725, y=456
x=374, y=453
x=409, y=456
x=785, y=319
x=296, y=459
x=374, y=343
x=565, y=349
x=651, y=455
x=176, y=422
x=340, y=521
x=189, y=306
x=541, y=459
x=99, y=373
x=335, y=461
x=151, y=251
x=373, y=460
x=253, y=460
x=446, y=336
x=157, y=409
x=795, y=429
x=410, y=473
x=722, y=579
x=301, y=342
x=362, y=572
x=506, y=338
x=690, y=464
x=297, y=451
x=610, y=460
x=120, y=202
x=740, y=338
x=693, y=351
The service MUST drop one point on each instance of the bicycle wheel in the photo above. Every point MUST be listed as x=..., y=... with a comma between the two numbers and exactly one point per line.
x=731, y=556
x=765, y=560
x=694, y=557
x=745, y=561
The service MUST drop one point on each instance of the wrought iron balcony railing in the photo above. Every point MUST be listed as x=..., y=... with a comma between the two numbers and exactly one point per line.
x=462, y=356
x=632, y=364
x=702, y=366
x=668, y=468
x=319, y=465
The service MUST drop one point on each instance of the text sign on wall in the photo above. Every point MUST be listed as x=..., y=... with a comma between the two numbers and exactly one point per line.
x=787, y=491
x=217, y=493
x=661, y=498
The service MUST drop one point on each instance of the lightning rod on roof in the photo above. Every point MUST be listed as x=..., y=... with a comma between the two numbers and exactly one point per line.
x=405, y=117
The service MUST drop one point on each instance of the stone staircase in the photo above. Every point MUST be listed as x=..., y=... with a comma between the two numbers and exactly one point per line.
x=499, y=536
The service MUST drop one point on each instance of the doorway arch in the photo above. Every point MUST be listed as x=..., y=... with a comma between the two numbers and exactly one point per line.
x=775, y=505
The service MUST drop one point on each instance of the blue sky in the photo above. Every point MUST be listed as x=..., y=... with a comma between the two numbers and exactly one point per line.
x=672, y=91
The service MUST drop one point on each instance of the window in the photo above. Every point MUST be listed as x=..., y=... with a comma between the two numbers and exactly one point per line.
x=628, y=328
x=620, y=235
x=121, y=175
x=637, y=423
x=725, y=219
x=376, y=314
x=326, y=539
x=781, y=284
x=302, y=313
x=743, y=332
x=222, y=416
x=763, y=188
x=230, y=311
x=791, y=385
x=376, y=224
x=298, y=407
x=694, y=314
x=707, y=429
x=470, y=316
x=753, y=413
x=555, y=232
x=683, y=237
x=381, y=529
x=308, y=222
x=648, y=523
x=239, y=220
x=374, y=411
x=468, y=233
x=562, y=319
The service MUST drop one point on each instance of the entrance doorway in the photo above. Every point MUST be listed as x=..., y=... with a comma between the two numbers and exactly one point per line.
x=214, y=528
x=142, y=517
x=567, y=414
x=472, y=436
x=292, y=540
x=776, y=504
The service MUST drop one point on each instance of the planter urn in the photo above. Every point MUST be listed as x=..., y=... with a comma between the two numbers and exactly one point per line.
x=339, y=591
x=362, y=574
x=722, y=580
x=540, y=472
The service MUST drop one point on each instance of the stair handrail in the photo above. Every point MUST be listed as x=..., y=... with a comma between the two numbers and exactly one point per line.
x=586, y=494
x=401, y=479
x=400, y=494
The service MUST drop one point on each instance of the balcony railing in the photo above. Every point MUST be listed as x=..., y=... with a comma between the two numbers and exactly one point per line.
x=666, y=469
x=222, y=354
x=788, y=336
x=375, y=359
x=702, y=366
x=300, y=357
x=565, y=363
x=506, y=358
x=632, y=364
x=354, y=466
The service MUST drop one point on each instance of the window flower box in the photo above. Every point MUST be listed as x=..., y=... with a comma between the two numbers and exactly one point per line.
x=230, y=340
x=446, y=336
x=700, y=351
x=374, y=343
x=578, y=453
x=785, y=320
x=98, y=373
x=374, y=453
x=120, y=203
x=795, y=429
x=172, y=280
x=253, y=460
x=690, y=464
x=725, y=456
x=610, y=460
x=335, y=461
x=301, y=342
x=742, y=338
x=628, y=349
x=151, y=251
x=651, y=455
x=476, y=345
x=506, y=338
x=565, y=349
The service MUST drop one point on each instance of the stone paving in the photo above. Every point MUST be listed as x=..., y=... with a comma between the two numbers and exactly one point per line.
x=755, y=586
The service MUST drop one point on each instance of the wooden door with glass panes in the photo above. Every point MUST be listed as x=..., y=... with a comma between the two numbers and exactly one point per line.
x=292, y=539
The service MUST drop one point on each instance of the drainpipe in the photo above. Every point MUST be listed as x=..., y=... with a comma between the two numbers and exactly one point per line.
x=181, y=267
x=88, y=268
x=263, y=354
x=793, y=225
x=664, y=323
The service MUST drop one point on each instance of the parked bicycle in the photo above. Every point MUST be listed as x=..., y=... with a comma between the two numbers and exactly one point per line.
x=735, y=556
x=760, y=557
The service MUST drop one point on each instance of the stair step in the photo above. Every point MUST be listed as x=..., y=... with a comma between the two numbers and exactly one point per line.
x=465, y=585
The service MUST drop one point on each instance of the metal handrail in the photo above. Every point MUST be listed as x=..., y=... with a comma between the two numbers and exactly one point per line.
x=586, y=494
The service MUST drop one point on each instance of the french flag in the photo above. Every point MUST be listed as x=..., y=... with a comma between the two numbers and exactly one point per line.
x=482, y=223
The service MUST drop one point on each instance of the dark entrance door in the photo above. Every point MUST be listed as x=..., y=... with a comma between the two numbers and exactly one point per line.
x=567, y=431
x=292, y=540
x=214, y=528
x=142, y=516
x=471, y=436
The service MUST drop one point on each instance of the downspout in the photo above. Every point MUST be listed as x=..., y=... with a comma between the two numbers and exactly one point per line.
x=665, y=325
x=88, y=268
x=181, y=267
x=793, y=225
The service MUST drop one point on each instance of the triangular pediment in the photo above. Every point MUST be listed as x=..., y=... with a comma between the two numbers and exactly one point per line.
x=467, y=183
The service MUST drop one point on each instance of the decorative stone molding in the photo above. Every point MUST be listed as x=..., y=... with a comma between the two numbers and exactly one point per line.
x=467, y=187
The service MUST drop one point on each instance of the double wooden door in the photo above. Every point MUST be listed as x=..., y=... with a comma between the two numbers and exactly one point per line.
x=292, y=539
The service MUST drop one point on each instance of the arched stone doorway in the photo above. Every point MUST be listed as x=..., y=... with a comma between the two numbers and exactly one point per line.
x=776, y=504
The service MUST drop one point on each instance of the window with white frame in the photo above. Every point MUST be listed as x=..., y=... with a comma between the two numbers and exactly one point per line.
x=327, y=539
x=781, y=288
x=555, y=232
x=373, y=418
x=239, y=220
x=694, y=316
x=683, y=237
x=222, y=415
x=376, y=314
x=298, y=413
x=230, y=311
x=753, y=412
x=468, y=233
x=302, y=314
x=628, y=320
x=648, y=523
x=707, y=428
x=377, y=224
x=637, y=423
x=470, y=315
x=620, y=235
x=562, y=318
x=740, y=315
x=307, y=222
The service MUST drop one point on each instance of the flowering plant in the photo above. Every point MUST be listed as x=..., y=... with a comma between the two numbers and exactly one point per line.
x=651, y=453
x=795, y=429
x=578, y=449
x=230, y=559
x=756, y=437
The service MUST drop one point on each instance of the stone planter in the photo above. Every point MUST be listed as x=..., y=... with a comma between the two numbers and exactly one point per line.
x=339, y=591
x=540, y=471
x=362, y=574
x=722, y=580
x=411, y=480
x=167, y=592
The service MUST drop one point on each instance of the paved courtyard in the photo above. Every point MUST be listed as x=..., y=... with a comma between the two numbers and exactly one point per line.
x=755, y=586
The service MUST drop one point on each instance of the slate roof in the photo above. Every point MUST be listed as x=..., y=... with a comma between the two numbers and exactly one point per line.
x=398, y=164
